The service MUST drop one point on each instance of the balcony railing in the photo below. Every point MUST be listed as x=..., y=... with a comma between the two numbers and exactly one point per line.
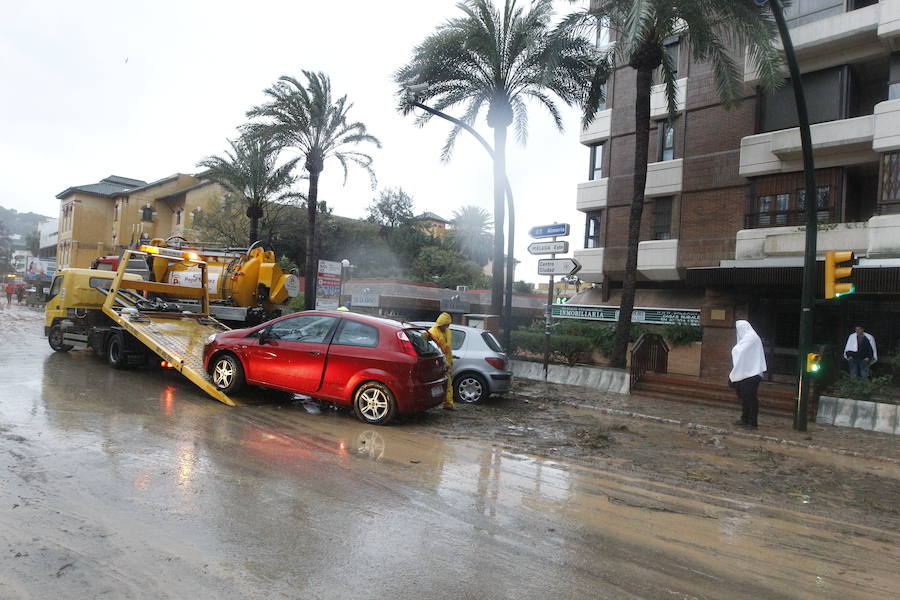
x=890, y=208
x=784, y=218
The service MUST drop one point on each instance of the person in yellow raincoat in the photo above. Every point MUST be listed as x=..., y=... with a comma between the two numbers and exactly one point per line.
x=443, y=337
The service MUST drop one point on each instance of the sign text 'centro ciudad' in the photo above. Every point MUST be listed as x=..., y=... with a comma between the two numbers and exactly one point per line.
x=548, y=247
x=558, y=266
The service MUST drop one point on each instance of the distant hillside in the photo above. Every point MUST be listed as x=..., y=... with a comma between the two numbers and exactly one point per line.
x=21, y=223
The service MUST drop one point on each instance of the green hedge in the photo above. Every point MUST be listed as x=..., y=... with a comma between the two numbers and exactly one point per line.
x=571, y=348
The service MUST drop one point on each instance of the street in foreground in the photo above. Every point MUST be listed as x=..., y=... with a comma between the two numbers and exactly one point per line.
x=132, y=484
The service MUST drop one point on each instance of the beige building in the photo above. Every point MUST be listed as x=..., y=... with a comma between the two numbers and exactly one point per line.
x=433, y=224
x=102, y=218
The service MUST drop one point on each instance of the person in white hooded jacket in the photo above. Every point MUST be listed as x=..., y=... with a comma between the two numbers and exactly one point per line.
x=749, y=364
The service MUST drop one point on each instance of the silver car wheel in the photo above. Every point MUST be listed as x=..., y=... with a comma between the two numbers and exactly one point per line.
x=223, y=374
x=373, y=404
x=470, y=389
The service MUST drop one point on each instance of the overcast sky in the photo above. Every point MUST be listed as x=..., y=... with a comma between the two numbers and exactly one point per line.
x=147, y=89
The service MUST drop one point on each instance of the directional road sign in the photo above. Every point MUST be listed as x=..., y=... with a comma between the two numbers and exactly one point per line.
x=548, y=247
x=558, y=266
x=554, y=230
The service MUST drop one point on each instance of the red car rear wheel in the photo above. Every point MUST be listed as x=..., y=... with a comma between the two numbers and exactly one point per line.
x=374, y=403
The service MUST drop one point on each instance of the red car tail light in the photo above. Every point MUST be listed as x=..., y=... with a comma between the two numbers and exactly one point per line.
x=497, y=363
x=405, y=345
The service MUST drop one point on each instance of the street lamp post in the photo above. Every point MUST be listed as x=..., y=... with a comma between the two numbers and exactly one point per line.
x=345, y=268
x=807, y=301
x=411, y=91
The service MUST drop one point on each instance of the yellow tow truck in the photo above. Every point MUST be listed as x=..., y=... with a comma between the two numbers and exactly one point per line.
x=127, y=320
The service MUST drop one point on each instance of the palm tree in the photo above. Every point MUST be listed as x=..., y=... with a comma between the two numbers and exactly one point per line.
x=471, y=233
x=712, y=29
x=498, y=59
x=250, y=171
x=310, y=120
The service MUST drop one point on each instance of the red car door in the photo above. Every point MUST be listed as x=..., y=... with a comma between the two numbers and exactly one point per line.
x=292, y=353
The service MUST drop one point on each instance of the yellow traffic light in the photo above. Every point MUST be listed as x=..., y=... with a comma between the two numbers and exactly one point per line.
x=833, y=273
x=813, y=362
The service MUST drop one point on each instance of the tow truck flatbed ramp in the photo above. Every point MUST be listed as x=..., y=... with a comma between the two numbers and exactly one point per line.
x=176, y=337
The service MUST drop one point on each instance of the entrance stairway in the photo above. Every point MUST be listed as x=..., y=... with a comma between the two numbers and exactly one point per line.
x=774, y=398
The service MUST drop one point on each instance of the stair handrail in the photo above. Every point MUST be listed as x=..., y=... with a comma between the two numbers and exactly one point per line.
x=649, y=353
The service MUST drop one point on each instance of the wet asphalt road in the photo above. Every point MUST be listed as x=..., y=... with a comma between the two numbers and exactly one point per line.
x=131, y=484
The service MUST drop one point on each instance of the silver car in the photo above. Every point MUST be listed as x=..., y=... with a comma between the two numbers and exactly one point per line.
x=480, y=367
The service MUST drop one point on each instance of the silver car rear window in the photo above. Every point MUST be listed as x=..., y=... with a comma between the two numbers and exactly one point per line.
x=491, y=341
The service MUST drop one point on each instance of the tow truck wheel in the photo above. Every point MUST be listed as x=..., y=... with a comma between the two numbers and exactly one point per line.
x=115, y=351
x=55, y=337
x=374, y=403
x=227, y=373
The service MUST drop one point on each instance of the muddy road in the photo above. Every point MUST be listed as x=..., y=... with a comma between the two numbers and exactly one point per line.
x=131, y=484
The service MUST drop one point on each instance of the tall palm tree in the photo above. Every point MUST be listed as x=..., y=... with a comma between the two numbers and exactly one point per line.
x=307, y=118
x=498, y=59
x=471, y=233
x=251, y=172
x=713, y=30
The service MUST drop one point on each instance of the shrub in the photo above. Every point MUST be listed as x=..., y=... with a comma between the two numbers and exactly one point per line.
x=571, y=348
x=527, y=340
x=296, y=303
x=679, y=334
x=857, y=388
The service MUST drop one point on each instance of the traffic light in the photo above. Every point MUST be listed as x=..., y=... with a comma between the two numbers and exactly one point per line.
x=833, y=273
x=813, y=363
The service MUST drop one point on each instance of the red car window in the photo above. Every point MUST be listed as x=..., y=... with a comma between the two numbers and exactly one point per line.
x=307, y=328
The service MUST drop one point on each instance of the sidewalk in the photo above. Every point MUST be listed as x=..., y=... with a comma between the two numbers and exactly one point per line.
x=772, y=429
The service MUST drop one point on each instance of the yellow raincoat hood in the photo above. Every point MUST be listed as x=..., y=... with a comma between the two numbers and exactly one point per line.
x=443, y=336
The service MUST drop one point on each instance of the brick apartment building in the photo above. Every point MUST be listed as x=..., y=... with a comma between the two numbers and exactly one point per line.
x=721, y=232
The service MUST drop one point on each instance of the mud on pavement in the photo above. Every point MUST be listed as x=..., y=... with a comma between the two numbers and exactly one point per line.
x=539, y=419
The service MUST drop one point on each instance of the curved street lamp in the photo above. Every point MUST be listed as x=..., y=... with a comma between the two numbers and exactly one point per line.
x=411, y=97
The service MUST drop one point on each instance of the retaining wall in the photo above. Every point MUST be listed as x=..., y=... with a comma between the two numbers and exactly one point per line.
x=844, y=412
x=599, y=378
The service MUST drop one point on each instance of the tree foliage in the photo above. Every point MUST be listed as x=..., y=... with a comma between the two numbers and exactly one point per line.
x=393, y=208
x=309, y=119
x=472, y=232
x=447, y=268
x=251, y=173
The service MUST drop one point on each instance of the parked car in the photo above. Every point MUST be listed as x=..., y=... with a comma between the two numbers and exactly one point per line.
x=380, y=368
x=480, y=367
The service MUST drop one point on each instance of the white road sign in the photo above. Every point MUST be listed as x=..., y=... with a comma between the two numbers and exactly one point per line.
x=548, y=247
x=558, y=266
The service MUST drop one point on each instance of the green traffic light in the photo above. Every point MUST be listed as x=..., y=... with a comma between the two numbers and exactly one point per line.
x=815, y=368
x=852, y=291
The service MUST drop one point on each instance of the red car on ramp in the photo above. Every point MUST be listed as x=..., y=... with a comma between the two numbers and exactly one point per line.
x=380, y=368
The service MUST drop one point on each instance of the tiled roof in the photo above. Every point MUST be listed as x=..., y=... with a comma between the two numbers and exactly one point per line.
x=109, y=186
x=430, y=216
x=125, y=181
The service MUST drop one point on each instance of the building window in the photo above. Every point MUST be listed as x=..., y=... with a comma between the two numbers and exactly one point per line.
x=596, y=162
x=592, y=229
x=602, y=32
x=662, y=218
x=666, y=140
x=671, y=48
x=147, y=214
x=178, y=217
x=889, y=195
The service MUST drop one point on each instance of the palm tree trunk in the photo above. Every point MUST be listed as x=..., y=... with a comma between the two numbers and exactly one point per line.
x=641, y=152
x=312, y=265
x=499, y=201
x=254, y=230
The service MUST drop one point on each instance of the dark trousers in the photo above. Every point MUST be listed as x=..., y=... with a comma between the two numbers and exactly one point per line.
x=746, y=390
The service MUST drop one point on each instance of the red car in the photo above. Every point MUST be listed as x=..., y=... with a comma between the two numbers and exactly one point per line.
x=380, y=367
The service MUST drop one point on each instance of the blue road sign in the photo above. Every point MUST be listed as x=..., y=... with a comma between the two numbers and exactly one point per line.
x=554, y=230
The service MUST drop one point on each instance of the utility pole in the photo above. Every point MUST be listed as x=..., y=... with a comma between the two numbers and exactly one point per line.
x=807, y=300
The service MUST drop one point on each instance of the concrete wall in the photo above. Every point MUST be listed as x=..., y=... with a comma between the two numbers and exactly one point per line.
x=591, y=195
x=599, y=128
x=602, y=379
x=844, y=412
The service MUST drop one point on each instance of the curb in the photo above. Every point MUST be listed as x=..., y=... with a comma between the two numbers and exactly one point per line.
x=720, y=430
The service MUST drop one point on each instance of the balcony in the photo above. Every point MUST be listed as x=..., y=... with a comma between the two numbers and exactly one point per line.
x=846, y=37
x=886, y=126
x=879, y=237
x=598, y=129
x=835, y=143
x=664, y=178
x=658, y=260
x=659, y=106
x=592, y=195
x=591, y=260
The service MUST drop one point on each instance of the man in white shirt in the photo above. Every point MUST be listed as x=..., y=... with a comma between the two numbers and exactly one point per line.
x=860, y=352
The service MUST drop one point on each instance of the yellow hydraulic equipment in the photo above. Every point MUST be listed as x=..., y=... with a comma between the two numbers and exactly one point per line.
x=248, y=279
x=178, y=338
